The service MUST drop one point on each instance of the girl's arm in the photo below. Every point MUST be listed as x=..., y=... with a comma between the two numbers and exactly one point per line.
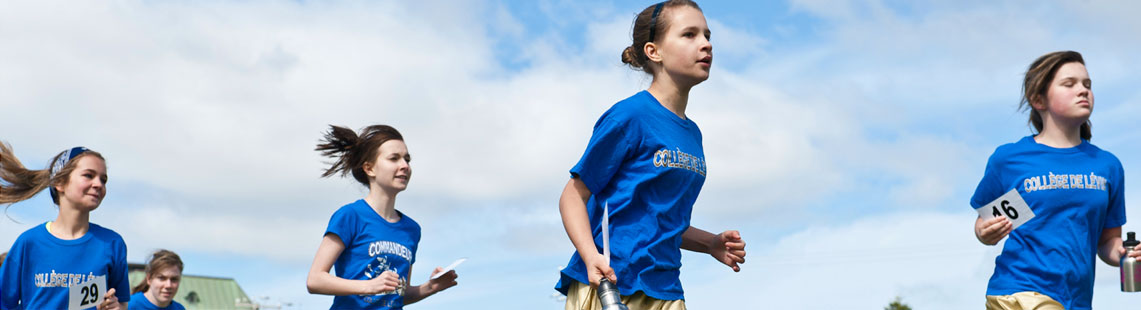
x=1110, y=249
x=320, y=281
x=572, y=208
x=419, y=292
x=726, y=247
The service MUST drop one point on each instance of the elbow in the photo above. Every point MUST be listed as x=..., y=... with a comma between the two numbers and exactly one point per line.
x=311, y=284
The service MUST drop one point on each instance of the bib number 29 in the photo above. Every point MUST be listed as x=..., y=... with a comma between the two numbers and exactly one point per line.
x=90, y=295
x=1009, y=211
x=87, y=294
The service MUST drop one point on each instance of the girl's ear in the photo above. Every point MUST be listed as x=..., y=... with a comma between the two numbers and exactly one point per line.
x=651, y=51
x=367, y=166
x=1037, y=102
x=58, y=188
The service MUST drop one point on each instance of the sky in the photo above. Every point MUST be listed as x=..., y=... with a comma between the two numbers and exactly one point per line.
x=843, y=138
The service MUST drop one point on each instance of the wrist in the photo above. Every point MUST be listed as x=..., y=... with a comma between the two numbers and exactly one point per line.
x=711, y=244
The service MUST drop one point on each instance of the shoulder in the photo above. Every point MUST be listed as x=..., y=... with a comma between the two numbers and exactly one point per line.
x=628, y=109
x=346, y=221
x=138, y=301
x=350, y=210
x=407, y=221
x=26, y=238
x=35, y=233
x=1005, y=151
x=174, y=305
x=104, y=234
x=1016, y=146
x=1105, y=157
x=1101, y=153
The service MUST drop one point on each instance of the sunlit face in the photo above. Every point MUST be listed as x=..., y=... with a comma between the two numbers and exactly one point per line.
x=685, y=50
x=86, y=185
x=391, y=170
x=1070, y=96
x=164, y=285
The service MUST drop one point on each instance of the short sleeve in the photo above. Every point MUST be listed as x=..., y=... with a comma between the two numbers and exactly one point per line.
x=604, y=155
x=10, y=276
x=990, y=187
x=415, y=241
x=343, y=224
x=1115, y=215
x=117, y=276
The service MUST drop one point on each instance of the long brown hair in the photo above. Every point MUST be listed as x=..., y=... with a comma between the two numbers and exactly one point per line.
x=350, y=151
x=645, y=24
x=23, y=183
x=1036, y=85
x=160, y=260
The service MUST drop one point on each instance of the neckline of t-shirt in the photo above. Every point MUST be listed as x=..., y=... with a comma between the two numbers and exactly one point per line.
x=661, y=109
x=1064, y=150
x=81, y=239
x=381, y=218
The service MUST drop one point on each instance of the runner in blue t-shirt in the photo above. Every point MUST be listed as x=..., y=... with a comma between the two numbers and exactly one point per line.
x=1075, y=190
x=371, y=244
x=646, y=162
x=157, y=289
x=49, y=259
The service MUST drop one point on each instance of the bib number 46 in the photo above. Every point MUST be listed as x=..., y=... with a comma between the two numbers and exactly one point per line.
x=1010, y=212
x=1010, y=205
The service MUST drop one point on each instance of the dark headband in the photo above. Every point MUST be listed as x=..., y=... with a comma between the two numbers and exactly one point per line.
x=62, y=160
x=654, y=20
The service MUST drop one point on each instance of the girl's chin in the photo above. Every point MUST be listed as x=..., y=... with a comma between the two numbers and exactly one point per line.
x=398, y=187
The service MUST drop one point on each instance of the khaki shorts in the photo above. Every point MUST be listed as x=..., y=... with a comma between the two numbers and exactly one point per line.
x=1022, y=301
x=583, y=297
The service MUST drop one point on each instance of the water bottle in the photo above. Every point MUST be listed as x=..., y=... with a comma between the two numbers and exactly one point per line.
x=608, y=296
x=1130, y=272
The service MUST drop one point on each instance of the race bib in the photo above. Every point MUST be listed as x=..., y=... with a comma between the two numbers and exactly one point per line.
x=1009, y=205
x=87, y=294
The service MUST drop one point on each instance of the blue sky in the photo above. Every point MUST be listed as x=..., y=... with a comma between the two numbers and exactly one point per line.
x=843, y=138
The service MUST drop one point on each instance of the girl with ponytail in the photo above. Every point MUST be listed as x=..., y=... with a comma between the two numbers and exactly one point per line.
x=371, y=244
x=158, y=288
x=47, y=260
x=645, y=161
x=1075, y=190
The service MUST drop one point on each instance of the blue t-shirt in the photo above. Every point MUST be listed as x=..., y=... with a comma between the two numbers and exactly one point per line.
x=1075, y=193
x=373, y=246
x=140, y=302
x=40, y=267
x=648, y=165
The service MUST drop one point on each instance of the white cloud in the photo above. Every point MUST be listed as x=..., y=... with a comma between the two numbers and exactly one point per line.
x=286, y=239
x=930, y=259
x=208, y=113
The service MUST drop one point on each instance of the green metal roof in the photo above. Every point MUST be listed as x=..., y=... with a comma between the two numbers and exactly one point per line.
x=210, y=292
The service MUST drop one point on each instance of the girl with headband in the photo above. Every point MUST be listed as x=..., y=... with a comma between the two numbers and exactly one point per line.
x=48, y=259
x=645, y=161
x=160, y=285
x=372, y=245
x=1075, y=190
